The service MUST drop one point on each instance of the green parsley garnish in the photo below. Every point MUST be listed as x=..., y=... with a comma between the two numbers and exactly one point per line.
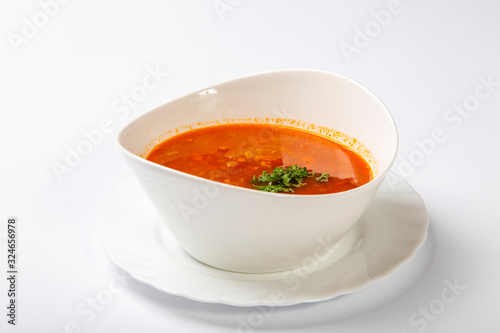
x=323, y=178
x=284, y=179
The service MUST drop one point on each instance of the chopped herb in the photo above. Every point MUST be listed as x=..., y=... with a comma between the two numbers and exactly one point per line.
x=323, y=178
x=284, y=179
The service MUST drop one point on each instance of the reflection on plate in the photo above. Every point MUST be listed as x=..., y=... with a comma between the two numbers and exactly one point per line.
x=388, y=235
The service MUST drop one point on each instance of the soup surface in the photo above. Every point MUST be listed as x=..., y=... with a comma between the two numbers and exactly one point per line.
x=235, y=153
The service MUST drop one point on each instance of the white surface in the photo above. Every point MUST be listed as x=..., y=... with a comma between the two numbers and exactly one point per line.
x=388, y=235
x=75, y=72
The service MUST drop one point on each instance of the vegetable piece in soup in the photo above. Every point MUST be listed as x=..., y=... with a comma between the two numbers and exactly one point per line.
x=264, y=157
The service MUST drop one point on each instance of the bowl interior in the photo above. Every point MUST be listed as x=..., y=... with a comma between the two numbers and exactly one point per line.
x=321, y=102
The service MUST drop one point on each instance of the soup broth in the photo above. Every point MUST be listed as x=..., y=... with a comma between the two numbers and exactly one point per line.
x=235, y=153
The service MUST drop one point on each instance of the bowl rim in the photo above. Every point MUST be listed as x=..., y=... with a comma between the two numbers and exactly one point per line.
x=370, y=183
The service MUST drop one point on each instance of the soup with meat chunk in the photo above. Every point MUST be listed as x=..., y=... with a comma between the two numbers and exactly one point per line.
x=264, y=157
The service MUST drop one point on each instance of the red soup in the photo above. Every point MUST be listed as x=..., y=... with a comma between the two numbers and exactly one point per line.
x=264, y=157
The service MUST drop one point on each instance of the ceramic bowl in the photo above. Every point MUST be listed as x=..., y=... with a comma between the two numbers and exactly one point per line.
x=247, y=230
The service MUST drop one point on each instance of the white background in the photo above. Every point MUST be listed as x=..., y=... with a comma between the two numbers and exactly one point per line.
x=71, y=69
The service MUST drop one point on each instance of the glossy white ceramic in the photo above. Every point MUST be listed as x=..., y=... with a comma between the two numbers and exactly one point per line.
x=245, y=230
x=387, y=235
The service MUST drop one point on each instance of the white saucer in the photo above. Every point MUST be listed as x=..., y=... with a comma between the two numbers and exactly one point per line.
x=391, y=231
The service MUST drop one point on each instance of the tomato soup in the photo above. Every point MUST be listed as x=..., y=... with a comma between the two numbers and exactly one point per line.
x=238, y=154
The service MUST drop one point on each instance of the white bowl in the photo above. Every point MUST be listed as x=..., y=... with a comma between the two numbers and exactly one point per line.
x=245, y=230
